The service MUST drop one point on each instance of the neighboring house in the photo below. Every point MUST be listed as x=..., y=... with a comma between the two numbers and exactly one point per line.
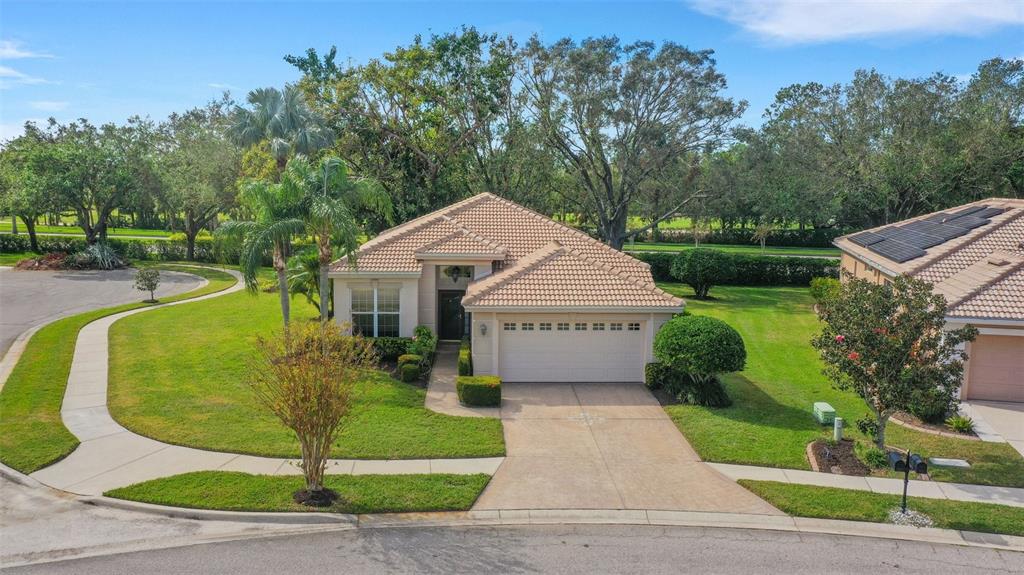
x=542, y=301
x=974, y=256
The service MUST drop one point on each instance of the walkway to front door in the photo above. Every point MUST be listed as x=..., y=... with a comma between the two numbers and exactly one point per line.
x=602, y=446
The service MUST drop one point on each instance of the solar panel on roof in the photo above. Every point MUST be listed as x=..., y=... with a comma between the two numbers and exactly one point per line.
x=896, y=250
x=939, y=217
x=866, y=238
x=989, y=212
x=969, y=222
x=917, y=239
x=949, y=231
x=887, y=232
x=967, y=211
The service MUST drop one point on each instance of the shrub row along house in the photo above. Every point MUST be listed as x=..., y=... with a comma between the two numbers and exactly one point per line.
x=542, y=301
x=974, y=257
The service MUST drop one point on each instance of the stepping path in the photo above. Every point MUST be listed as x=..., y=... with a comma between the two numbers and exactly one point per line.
x=111, y=456
x=441, y=394
x=1013, y=496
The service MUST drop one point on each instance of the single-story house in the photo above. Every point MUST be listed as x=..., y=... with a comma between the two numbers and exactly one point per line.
x=974, y=256
x=542, y=302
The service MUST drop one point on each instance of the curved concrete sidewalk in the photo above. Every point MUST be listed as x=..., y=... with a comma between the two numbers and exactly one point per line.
x=111, y=456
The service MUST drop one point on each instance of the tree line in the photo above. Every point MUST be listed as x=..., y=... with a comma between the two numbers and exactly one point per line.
x=593, y=131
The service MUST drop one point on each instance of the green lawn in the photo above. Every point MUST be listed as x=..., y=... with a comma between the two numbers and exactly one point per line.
x=770, y=420
x=32, y=435
x=750, y=250
x=179, y=375
x=5, y=228
x=235, y=491
x=832, y=503
x=11, y=258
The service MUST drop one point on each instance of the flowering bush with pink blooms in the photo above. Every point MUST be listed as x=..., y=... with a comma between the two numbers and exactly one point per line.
x=887, y=343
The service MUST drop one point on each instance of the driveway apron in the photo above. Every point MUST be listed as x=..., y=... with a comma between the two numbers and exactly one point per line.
x=602, y=446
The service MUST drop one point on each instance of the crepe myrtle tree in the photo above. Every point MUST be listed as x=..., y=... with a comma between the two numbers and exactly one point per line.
x=886, y=343
x=306, y=378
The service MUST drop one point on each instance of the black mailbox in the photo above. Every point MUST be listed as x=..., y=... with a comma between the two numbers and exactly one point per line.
x=897, y=462
x=918, y=464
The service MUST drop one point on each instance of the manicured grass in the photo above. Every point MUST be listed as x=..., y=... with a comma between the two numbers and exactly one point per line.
x=832, y=503
x=179, y=375
x=32, y=435
x=235, y=491
x=11, y=258
x=5, y=228
x=750, y=250
x=770, y=421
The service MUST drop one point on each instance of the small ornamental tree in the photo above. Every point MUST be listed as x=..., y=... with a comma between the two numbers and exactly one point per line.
x=148, y=279
x=700, y=346
x=306, y=379
x=886, y=343
x=701, y=269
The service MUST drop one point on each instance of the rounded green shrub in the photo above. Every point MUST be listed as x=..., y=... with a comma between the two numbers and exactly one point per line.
x=408, y=358
x=701, y=269
x=700, y=346
x=410, y=372
x=479, y=390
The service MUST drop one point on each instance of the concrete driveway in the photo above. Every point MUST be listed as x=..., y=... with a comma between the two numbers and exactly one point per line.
x=29, y=298
x=602, y=446
x=1005, y=418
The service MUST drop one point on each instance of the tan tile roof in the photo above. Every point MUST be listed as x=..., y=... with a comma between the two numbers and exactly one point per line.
x=965, y=269
x=557, y=276
x=494, y=227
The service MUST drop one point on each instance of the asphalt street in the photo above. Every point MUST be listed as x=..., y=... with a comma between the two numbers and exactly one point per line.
x=551, y=549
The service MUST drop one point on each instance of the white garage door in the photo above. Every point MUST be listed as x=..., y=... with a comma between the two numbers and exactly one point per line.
x=558, y=349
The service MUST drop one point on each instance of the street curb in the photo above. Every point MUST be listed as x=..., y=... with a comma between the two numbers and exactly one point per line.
x=522, y=517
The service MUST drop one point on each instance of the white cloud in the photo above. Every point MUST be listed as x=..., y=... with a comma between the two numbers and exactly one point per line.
x=12, y=50
x=48, y=105
x=806, y=21
x=9, y=76
x=220, y=86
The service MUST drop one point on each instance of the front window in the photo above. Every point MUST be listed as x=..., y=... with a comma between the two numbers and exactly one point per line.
x=375, y=311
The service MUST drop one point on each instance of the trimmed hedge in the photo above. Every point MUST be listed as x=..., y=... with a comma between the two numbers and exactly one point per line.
x=465, y=358
x=389, y=348
x=410, y=372
x=409, y=358
x=479, y=390
x=812, y=238
x=750, y=270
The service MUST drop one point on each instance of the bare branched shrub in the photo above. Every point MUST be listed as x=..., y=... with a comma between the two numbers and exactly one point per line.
x=306, y=379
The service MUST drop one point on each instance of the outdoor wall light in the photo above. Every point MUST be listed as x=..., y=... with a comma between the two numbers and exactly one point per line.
x=483, y=329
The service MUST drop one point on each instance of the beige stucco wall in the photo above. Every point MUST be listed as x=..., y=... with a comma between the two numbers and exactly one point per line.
x=860, y=270
x=408, y=296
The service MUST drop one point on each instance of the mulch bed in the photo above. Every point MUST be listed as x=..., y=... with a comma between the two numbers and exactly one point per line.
x=840, y=459
x=907, y=420
x=664, y=397
x=53, y=261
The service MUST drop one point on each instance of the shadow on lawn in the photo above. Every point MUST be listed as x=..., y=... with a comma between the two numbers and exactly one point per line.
x=753, y=406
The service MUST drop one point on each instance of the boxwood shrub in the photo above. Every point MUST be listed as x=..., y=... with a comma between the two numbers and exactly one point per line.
x=479, y=390
x=407, y=358
x=389, y=348
x=410, y=372
x=465, y=358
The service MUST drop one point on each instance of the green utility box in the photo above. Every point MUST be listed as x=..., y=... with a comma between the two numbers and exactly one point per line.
x=824, y=413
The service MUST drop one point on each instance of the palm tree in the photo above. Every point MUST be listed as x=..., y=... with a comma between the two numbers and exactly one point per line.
x=332, y=202
x=277, y=211
x=283, y=120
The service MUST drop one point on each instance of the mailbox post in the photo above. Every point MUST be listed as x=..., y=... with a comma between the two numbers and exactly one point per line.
x=912, y=463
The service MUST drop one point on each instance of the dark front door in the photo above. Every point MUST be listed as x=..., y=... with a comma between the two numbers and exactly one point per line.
x=451, y=318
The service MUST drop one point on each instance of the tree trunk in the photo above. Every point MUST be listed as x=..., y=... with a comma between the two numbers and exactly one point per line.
x=282, y=284
x=14, y=224
x=880, y=437
x=325, y=291
x=30, y=225
x=615, y=230
x=190, y=245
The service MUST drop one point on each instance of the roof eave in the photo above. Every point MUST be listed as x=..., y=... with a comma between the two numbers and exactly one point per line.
x=474, y=308
x=372, y=274
x=460, y=257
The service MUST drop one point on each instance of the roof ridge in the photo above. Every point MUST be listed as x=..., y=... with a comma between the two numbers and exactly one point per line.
x=402, y=230
x=522, y=265
x=569, y=229
x=630, y=278
x=968, y=239
x=1010, y=270
x=493, y=244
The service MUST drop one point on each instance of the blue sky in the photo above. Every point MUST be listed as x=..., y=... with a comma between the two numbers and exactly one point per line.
x=108, y=61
